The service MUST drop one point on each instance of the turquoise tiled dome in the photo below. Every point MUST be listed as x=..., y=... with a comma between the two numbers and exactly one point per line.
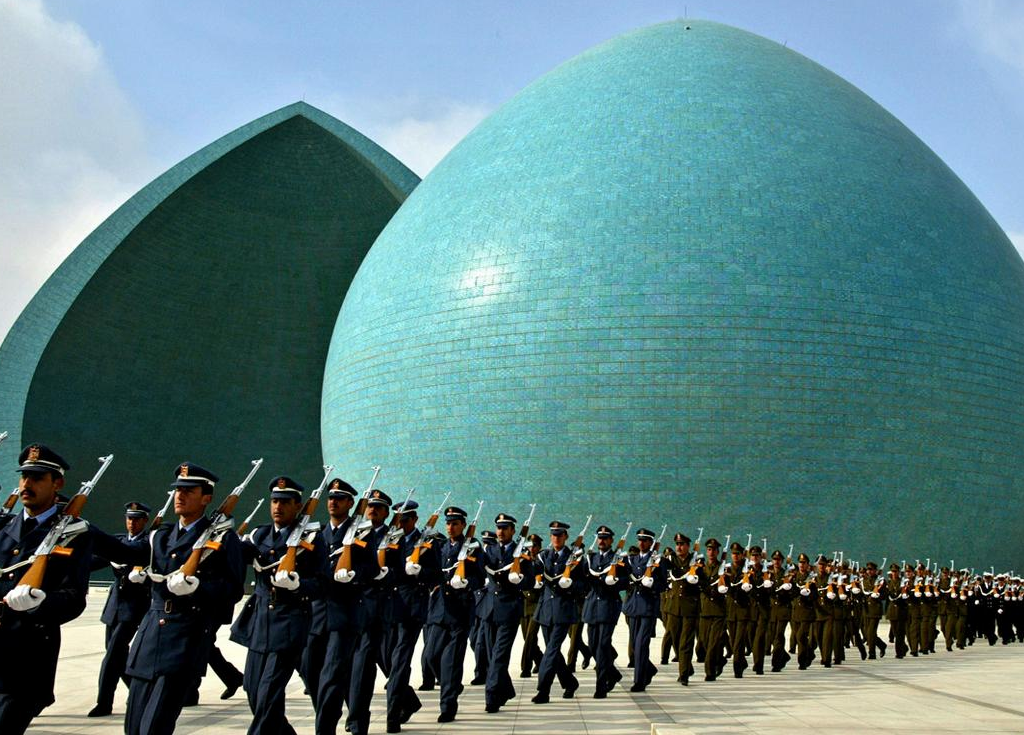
x=693, y=277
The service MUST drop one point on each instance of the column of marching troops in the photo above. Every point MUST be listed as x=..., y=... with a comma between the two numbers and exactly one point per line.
x=339, y=601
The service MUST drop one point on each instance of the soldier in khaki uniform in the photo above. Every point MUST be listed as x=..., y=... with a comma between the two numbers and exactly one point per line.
x=712, y=611
x=683, y=603
x=804, y=614
x=739, y=579
x=781, y=599
x=915, y=584
x=760, y=608
x=896, y=612
x=873, y=591
x=823, y=610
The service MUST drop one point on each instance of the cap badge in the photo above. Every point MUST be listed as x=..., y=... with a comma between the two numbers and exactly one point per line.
x=183, y=472
x=281, y=484
x=33, y=454
x=336, y=485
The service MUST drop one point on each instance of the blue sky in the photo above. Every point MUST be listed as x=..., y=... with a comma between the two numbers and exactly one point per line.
x=100, y=97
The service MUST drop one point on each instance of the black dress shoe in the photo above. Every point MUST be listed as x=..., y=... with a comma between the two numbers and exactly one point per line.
x=541, y=698
x=629, y=665
x=586, y=662
x=478, y=680
x=524, y=674
x=759, y=671
x=446, y=717
x=709, y=677
x=600, y=694
x=637, y=687
x=191, y=699
x=664, y=661
x=492, y=708
x=684, y=680
x=394, y=727
x=231, y=688
x=100, y=711
x=425, y=688
x=411, y=710
x=570, y=690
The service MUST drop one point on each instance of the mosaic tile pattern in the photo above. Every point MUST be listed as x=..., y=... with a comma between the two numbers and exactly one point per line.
x=692, y=277
x=194, y=322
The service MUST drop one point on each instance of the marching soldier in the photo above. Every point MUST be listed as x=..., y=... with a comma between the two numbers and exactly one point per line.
x=738, y=578
x=481, y=611
x=712, y=611
x=556, y=612
x=274, y=622
x=896, y=612
x=126, y=604
x=823, y=610
x=504, y=609
x=683, y=600
x=781, y=600
x=761, y=607
x=529, y=662
x=451, y=609
x=873, y=590
x=608, y=578
x=30, y=617
x=647, y=580
x=804, y=613
x=172, y=644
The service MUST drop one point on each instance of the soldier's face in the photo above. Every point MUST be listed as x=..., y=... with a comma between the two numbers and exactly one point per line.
x=455, y=528
x=377, y=513
x=191, y=502
x=604, y=543
x=407, y=521
x=284, y=511
x=557, y=540
x=682, y=549
x=338, y=508
x=777, y=563
x=737, y=558
x=756, y=559
x=805, y=566
x=38, y=490
x=644, y=544
x=134, y=526
x=505, y=533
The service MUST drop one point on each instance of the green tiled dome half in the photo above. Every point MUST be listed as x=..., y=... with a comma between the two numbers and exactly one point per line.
x=692, y=277
x=193, y=324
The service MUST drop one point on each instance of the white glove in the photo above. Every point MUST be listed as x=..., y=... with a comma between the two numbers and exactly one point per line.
x=927, y=594
x=874, y=595
x=963, y=598
x=344, y=576
x=804, y=591
x=746, y=586
x=515, y=577
x=767, y=584
x=180, y=585
x=977, y=602
x=855, y=590
x=537, y=584
x=412, y=569
x=458, y=583
x=786, y=586
x=137, y=575
x=722, y=589
x=917, y=594
x=842, y=596
x=610, y=580
x=999, y=611
x=691, y=578
x=647, y=582
x=830, y=595
x=383, y=573
x=285, y=580
x=24, y=598
x=903, y=596
x=565, y=582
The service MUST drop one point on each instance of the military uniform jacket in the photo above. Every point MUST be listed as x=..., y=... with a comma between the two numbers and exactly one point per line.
x=127, y=601
x=712, y=602
x=603, y=603
x=898, y=596
x=449, y=606
x=558, y=606
x=644, y=602
x=410, y=594
x=740, y=600
x=336, y=609
x=174, y=633
x=781, y=599
x=803, y=605
x=505, y=603
x=873, y=605
x=273, y=618
x=30, y=641
x=682, y=597
x=374, y=594
x=761, y=596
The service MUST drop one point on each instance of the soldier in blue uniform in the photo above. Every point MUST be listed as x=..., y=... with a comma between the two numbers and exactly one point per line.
x=126, y=604
x=30, y=619
x=340, y=497
x=602, y=607
x=372, y=589
x=503, y=609
x=274, y=622
x=405, y=614
x=341, y=609
x=643, y=605
x=556, y=612
x=481, y=612
x=172, y=645
x=451, y=609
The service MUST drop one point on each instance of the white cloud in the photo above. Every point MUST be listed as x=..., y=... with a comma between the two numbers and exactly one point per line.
x=71, y=147
x=417, y=132
x=997, y=28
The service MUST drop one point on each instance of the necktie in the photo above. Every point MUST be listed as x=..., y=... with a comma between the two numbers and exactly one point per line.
x=28, y=526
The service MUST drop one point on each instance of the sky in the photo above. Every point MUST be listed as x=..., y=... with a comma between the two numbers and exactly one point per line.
x=98, y=98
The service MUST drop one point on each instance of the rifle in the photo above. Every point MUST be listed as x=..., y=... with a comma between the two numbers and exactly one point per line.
x=344, y=565
x=248, y=519
x=576, y=552
x=67, y=527
x=524, y=539
x=8, y=507
x=221, y=521
x=460, y=567
x=295, y=540
x=393, y=533
x=619, y=553
x=696, y=544
x=163, y=511
x=654, y=559
x=414, y=558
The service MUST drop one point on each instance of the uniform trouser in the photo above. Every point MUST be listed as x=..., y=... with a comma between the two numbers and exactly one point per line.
x=777, y=634
x=928, y=632
x=447, y=652
x=481, y=654
x=364, y=674
x=898, y=628
x=576, y=646
x=839, y=640
x=16, y=712
x=914, y=630
x=948, y=623
x=823, y=635
x=118, y=637
x=313, y=662
x=155, y=704
x=685, y=642
x=670, y=641
x=427, y=673
x=265, y=678
x=531, y=655
x=335, y=681
x=714, y=633
x=960, y=626
x=500, y=637
x=600, y=635
x=871, y=635
x=553, y=664
x=738, y=630
x=802, y=634
x=759, y=639
x=402, y=643
x=641, y=630
x=223, y=668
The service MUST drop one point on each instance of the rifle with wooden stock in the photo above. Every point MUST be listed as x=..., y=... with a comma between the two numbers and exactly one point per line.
x=524, y=539
x=425, y=535
x=241, y=530
x=467, y=547
x=296, y=537
x=12, y=499
x=394, y=532
x=343, y=569
x=576, y=550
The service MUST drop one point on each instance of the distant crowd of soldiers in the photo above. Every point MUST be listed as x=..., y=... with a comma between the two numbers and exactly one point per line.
x=338, y=601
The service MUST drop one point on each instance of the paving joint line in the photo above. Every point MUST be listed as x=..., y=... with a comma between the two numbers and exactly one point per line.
x=938, y=692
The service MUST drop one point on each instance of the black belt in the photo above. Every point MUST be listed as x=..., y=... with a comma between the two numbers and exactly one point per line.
x=169, y=606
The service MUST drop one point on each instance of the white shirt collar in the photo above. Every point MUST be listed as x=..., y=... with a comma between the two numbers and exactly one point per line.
x=44, y=516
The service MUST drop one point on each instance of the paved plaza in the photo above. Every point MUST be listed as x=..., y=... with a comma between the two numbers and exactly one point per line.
x=977, y=690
